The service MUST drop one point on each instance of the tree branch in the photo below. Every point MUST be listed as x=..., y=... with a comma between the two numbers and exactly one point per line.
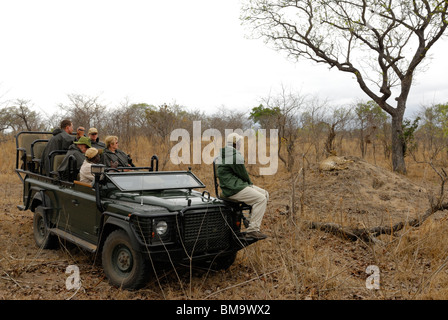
x=369, y=234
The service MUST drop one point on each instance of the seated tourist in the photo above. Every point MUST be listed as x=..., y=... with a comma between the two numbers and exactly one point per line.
x=80, y=133
x=85, y=173
x=61, y=140
x=95, y=140
x=77, y=149
x=112, y=156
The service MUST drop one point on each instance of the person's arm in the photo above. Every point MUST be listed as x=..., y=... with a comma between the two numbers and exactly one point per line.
x=240, y=169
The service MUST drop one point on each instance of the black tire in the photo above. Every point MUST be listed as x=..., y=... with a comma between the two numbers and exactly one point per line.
x=123, y=266
x=224, y=262
x=42, y=236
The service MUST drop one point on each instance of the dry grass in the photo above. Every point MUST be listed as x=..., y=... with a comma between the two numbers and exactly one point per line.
x=293, y=263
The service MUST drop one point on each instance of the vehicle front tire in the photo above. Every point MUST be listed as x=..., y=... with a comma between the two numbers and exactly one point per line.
x=224, y=262
x=123, y=266
x=42, y=236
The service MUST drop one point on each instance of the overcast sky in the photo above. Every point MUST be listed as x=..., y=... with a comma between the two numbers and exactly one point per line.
x=193, y=53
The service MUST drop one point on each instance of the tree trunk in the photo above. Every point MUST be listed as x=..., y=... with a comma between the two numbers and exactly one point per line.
x=361, y=143
x=398, y=143
x=329, y=148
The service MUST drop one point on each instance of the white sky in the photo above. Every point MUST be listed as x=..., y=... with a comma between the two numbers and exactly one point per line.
x=190, y=52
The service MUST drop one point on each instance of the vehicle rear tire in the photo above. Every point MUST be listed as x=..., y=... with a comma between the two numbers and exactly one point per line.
x=42, y=236
x=123, y=266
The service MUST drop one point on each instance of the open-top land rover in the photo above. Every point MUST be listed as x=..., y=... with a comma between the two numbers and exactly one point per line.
x=135, y=219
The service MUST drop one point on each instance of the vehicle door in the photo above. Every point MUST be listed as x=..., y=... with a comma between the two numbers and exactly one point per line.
x=82, y=215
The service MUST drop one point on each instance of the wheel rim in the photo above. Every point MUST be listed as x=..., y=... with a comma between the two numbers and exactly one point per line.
x=122, y=259
x=41, y=227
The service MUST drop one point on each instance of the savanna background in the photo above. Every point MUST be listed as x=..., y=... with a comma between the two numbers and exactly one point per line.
x=306, y=255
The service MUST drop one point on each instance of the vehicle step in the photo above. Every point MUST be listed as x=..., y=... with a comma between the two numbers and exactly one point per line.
x=74, y=239
x=244, y=241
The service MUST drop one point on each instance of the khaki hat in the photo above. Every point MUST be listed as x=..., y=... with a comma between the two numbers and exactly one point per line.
x=83, y=140
x=91, y=153
x=234, y=138
x=93, y=130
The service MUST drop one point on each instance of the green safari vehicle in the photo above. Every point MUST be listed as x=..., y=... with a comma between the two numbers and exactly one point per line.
x=136, y=219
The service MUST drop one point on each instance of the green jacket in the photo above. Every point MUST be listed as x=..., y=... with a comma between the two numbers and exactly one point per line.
x=61, y=140
x=232, y=173
x=63, y=168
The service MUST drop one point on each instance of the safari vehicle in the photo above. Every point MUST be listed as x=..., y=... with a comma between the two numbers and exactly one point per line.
x=135, y=218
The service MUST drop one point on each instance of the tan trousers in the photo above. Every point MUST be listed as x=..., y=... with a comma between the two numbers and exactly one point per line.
x=258, y=199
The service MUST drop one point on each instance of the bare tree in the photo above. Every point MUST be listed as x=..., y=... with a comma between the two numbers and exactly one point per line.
x=335, y=122
x=225, y=118
x=312, y=125
x=382, y=43
x=127, y=121
x=19, y=116
x=162, y=120
x=287, y=106
x=85, y=111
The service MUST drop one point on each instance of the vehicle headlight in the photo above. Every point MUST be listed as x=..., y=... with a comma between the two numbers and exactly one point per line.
x=161, y=228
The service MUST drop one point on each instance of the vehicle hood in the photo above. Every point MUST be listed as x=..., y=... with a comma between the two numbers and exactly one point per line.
x=162, y=201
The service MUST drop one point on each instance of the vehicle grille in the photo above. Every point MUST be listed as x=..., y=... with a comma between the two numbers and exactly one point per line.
x=143, y=228
x=206, y=232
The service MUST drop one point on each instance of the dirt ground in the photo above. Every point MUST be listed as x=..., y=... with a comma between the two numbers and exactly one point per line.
x=293, y=263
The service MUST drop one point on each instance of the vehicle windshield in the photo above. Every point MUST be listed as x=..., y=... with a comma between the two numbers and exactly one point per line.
x=155, y=180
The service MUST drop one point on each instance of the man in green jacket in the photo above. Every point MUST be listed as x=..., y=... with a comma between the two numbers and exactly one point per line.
x=236, y=185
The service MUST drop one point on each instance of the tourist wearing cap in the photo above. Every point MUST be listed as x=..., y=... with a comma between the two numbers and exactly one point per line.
x=85, y=173
x=95, y=140
x=77, y=149
x=236, y=184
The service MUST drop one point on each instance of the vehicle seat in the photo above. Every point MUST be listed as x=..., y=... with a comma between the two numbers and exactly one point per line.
x=25, y=141
x=240, y=205
x=37, y=148
x=56, y=158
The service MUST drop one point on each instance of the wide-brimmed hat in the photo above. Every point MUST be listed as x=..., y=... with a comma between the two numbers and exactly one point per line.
x=84, y=140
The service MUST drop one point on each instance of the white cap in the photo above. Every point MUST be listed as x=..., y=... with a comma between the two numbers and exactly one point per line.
x=234, y=138
x=91, y=152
